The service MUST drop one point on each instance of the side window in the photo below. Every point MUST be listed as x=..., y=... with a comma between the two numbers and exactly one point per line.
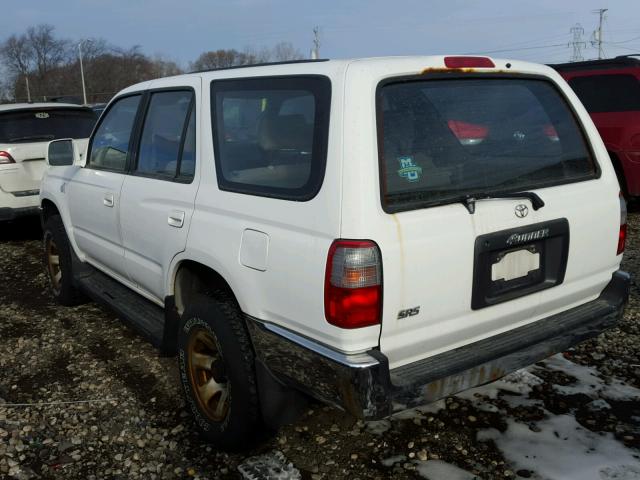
x=188, y=159
x=110, y=144
x=270, y=135
x=608, y=93
x=162, y=133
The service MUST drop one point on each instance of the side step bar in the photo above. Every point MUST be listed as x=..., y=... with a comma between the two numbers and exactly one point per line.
x=147, y=318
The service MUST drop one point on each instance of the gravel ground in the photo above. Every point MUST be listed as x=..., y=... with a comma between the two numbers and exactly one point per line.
x=134, y=424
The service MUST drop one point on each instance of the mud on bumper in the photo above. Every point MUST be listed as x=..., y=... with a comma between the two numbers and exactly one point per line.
x=364, y=386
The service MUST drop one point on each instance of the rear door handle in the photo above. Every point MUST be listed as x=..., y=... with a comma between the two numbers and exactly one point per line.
x=176, y=219
x=107, y=201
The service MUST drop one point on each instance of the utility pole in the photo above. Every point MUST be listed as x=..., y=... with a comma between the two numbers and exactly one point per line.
x=315, y=51
x=598, y=33
x=26, y=80
x=84, y=90
x=577, y=43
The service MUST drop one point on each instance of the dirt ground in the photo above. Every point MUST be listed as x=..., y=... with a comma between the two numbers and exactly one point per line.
x=126, y=417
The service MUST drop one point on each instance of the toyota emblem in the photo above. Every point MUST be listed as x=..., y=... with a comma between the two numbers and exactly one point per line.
x=522, y=210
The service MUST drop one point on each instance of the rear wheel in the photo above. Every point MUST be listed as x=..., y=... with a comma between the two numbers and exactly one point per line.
x=217, y=371
x=58, y=261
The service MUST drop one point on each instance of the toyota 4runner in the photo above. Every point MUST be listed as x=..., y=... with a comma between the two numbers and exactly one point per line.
x=375, y=233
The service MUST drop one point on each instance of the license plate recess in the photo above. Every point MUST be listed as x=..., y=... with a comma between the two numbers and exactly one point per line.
x=515, y=262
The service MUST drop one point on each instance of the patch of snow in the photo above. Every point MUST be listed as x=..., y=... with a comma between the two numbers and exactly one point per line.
x=433, y=407
x=378, y=427
x=439, y=470
x=520, y=382
x=598, y=405
x=391, y=461
x=562, y=449
x=269, y=466
x=589, y=381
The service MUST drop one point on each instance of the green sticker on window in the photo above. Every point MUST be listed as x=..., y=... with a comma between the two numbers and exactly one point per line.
x=409, y=170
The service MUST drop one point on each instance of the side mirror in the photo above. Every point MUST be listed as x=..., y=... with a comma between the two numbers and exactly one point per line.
x=61, y=153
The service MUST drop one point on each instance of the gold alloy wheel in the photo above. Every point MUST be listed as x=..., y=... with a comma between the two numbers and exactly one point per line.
x=53, y=264
x=206, y=375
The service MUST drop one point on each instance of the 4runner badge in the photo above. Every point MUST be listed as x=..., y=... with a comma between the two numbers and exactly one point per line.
x=517, y=238
x=409, y=170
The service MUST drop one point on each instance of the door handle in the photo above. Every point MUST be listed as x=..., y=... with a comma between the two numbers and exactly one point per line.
x=176, y=219
x=107, y=201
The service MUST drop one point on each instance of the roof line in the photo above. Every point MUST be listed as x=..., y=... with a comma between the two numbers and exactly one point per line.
x=264, y=64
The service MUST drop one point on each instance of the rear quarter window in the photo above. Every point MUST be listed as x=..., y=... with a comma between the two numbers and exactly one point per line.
x=270, y=135
x=442, y=139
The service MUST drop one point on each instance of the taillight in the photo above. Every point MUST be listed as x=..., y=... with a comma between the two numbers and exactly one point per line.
x=551, y=133
x=468, y=62
x=622, y=233
x=6, y=158
x=353, y=284
x=468, y=133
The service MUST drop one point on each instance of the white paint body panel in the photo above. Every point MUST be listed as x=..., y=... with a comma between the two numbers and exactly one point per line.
x=273, y=252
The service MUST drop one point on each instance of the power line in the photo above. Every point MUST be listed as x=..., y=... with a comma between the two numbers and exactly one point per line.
x=516, y=49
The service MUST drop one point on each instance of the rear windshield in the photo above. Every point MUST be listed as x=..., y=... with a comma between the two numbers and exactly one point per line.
x=443, y=139
x=43, y=125
x=608, y=93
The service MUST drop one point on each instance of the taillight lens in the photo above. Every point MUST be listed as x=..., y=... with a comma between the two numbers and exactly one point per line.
x=551, y=133
x=468, y=133
x=353, y=284
x=6, y=158
x=622, y=233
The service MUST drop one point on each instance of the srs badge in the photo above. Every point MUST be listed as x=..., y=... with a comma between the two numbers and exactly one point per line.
x=409, y=170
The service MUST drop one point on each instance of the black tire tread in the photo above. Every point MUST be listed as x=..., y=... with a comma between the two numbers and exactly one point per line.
x=69, y=295
x=240, y=436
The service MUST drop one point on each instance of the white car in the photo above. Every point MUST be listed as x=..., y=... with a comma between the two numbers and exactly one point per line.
x=376, y=233
x=25, y=131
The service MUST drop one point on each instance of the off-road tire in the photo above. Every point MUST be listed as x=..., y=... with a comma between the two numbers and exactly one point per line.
x=66, y=293
x=219, y=316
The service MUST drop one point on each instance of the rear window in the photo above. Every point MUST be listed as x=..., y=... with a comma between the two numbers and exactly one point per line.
x=270, y=135
x=608, y=93
x=443, y=139
x=43, y=125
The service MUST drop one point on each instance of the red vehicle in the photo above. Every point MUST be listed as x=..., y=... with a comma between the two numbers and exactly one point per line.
x=610, y=91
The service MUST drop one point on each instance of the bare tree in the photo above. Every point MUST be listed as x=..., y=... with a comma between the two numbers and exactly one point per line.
x=285, y=51
x=17, y=54
x=47, y=50
x=163, y=67
x=222, y=59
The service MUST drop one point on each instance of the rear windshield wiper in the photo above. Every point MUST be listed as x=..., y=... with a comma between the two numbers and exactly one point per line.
x=469, y=201
x=31, y=137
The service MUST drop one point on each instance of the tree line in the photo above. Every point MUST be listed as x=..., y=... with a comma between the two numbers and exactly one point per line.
x=41, y=66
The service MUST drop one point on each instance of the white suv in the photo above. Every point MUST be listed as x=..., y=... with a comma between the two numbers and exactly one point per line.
x=25, y=131
x=375, y=233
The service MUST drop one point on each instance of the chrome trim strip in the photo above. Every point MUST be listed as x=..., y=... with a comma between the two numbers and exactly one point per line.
x=356, y=360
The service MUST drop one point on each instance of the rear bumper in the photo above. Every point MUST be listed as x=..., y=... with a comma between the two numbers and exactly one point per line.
x=18, y=204
x=363, y=385
x=13, y=213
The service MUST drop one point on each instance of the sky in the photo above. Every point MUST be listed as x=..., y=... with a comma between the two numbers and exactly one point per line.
x=180, y=30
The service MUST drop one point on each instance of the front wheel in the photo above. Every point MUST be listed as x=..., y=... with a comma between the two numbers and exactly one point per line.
x=58, y=261
x=217, y=371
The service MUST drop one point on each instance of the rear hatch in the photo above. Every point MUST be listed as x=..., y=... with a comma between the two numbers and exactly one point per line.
x=502, y=212
x=24, y=136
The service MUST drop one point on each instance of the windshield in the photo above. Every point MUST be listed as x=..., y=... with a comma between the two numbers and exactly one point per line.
x=446, y=138
x=24, y=126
